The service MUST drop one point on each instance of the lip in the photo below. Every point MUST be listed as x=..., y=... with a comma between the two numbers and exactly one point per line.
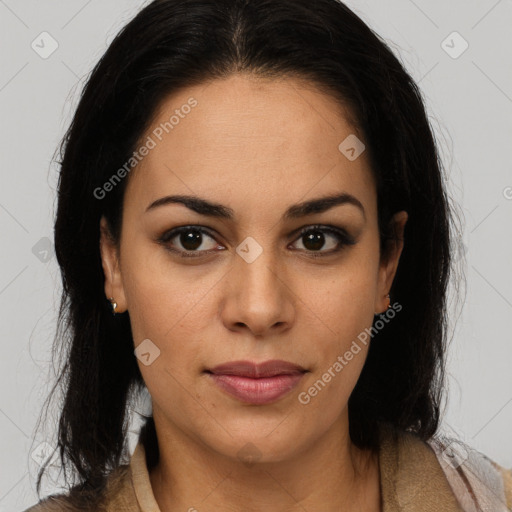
x=255, y=383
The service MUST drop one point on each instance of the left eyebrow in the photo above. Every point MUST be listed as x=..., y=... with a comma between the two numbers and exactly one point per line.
x=322, y=204
x=212, y=209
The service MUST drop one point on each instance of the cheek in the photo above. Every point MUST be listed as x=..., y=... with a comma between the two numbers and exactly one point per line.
x=159, y=292
x=171, y=315
x=326, y=393
x=341, y=345
x=344, y=308
x=345, y=301
x=169, y=306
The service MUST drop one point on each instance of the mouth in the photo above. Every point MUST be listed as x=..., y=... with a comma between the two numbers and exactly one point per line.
x=254, y=383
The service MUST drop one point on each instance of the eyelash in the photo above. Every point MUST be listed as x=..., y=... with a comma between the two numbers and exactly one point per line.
x=343, y=237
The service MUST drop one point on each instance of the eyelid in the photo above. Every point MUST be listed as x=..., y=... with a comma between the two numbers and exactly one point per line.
x=171, y=233
x=324, y=228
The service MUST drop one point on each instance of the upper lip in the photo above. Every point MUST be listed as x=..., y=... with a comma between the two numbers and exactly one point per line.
x=256, y=370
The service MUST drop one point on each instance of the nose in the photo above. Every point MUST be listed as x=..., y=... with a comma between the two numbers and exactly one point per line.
x=258, y=297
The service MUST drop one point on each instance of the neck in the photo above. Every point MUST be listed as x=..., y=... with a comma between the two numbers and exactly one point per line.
x=329, y=475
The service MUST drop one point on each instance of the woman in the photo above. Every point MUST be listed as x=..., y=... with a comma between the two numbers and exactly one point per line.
x=291, y=338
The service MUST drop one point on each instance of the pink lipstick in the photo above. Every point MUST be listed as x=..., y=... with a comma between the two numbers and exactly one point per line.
x=255, y=383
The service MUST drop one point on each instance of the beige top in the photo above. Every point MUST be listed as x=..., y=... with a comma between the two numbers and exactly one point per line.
x=414, y=477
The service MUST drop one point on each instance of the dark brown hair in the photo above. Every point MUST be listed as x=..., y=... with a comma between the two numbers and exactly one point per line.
x=172, y=44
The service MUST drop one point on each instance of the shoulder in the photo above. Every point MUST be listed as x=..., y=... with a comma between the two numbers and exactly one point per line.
x=118, y=496
x=474, y=477
x=54, y=503
x=444, y=468
x=507, y=479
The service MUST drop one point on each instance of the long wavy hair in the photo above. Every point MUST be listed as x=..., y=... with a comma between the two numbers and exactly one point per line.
x=173, y=44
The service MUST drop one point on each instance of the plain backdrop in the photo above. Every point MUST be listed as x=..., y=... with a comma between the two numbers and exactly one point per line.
x=459, y=52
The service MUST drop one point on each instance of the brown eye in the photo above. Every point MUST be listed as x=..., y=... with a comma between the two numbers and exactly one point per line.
x=316, y=238
x=188, y=240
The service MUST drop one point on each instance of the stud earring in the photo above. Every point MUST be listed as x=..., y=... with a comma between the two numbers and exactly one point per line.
x=387, y=307
x=113, y=304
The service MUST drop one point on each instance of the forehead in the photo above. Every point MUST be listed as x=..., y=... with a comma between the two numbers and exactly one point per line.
x=251, y=139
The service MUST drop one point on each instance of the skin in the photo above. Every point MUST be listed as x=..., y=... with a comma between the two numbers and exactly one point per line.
x=258, y=147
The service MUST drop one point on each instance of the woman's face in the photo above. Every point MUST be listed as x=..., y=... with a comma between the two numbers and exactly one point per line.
x=254, y=289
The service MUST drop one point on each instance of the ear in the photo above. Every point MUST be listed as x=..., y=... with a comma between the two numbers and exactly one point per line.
x=111, y=268
x=389, y=261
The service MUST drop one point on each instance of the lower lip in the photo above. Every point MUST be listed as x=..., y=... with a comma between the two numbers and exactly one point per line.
x=257, y=391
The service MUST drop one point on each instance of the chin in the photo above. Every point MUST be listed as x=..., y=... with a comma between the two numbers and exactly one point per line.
x=257, y=444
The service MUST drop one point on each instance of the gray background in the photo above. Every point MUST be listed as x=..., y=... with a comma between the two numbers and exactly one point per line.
x=469, y=97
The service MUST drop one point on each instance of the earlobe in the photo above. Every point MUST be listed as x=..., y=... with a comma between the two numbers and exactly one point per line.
x=389, y=265
x=111, y=269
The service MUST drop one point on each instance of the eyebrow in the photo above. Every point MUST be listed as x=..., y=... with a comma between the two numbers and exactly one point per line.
x=212, y=209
